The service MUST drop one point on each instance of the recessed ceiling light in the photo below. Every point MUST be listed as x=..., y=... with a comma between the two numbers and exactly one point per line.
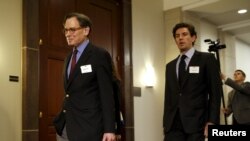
x=242, y=11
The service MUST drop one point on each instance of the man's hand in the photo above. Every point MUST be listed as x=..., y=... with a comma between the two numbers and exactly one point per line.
x=118, y=137
x=206, y=129
x=225, y=111
x=223, y=76
x=108, y=137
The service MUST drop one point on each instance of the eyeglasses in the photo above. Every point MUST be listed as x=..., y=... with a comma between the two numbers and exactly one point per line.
x=71, y=30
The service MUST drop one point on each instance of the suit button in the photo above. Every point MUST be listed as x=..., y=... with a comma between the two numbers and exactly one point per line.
x=67, y=95
x=180, y=94
x=64, y=111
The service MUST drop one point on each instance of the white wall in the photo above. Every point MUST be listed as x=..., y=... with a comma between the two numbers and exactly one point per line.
x=207, y=31
x=242, y=51
x=148, y=50
x=10, y=64
x=171, y=17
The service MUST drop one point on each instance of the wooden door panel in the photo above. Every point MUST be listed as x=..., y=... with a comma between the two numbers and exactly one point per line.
x=51, y=91
x=105, y=18
x=57, y=11
x=101, y=34
x=106, y=31
x=55, y=85
x=51, y=17
x=55, y=92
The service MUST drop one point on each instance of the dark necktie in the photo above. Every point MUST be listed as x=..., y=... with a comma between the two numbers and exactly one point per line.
x=73, y=62
x=182, y=69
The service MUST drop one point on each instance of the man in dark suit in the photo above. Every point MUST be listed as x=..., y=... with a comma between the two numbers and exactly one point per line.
x=88, y=112
x=192, y=102
x=238, y=98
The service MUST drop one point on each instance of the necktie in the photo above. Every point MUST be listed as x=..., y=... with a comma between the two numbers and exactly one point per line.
x=73, y=62
x=182, y=69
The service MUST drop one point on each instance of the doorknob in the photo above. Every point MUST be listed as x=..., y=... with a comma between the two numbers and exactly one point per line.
x=40, y=42
x=40, y=114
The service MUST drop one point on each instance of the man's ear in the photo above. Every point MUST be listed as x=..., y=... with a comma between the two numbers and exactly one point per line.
x=86, y=31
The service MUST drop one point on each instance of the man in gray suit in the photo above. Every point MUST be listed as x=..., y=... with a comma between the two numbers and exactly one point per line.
x=238, y=98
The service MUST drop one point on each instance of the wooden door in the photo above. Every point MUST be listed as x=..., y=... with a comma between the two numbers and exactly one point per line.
x=105, y=15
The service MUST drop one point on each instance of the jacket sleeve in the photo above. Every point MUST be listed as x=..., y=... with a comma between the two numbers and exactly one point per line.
x=215, y=89
x=104, y=77
x=243, y=89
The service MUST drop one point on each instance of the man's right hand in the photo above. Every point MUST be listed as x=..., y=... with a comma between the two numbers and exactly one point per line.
x=225, y=111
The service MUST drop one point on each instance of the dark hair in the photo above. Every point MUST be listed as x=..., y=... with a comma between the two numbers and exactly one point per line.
x=242, y=72
x=190, y=28
x=83, y=20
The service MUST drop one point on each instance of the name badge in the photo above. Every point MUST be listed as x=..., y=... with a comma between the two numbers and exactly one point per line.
x=194, y=69
x=86, y=69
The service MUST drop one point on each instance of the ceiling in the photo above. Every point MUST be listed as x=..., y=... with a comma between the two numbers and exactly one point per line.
x=222, y=13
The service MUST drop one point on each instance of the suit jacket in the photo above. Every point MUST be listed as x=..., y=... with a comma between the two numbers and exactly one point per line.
x=88, y=107
x=198, y=99
x=240, y=101
x=118, y=112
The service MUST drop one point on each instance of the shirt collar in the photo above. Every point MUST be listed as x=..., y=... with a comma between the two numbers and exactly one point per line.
x=189, y=53
x=82, y=46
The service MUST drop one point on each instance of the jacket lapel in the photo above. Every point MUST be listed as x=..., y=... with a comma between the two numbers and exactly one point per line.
x=174, y=71
x=65, y=68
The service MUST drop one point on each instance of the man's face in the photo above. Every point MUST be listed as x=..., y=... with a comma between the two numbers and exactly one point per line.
x=74, y=33
x=238, y=77
x=183, y=39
